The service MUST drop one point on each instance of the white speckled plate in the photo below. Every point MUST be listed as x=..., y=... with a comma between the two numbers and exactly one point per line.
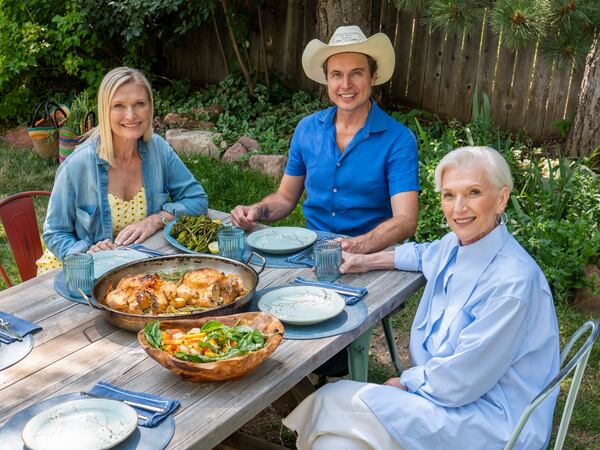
x=281, y=240
x=109, y=259
x=80, y=424
x=302, y=305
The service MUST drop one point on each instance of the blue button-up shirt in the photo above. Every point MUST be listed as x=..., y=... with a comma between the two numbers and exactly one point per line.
x=484, y=343
x=79, y=214
x=349, y=193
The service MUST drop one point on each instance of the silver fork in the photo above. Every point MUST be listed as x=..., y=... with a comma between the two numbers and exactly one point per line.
x=10, y=329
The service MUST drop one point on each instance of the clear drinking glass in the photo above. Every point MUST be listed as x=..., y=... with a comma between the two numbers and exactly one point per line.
x=232, y=242
x=78, y=269
x=328, y=258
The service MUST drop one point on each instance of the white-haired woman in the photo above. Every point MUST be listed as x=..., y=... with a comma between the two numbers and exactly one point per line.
x=124, y=183
x=484, y=340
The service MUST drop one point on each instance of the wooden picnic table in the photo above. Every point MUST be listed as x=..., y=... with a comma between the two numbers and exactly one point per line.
x=77, y=348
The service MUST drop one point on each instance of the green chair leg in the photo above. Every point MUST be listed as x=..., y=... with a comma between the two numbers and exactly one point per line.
x=358, y=357
x=391, y=342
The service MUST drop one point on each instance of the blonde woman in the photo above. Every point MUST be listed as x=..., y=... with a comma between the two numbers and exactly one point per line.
x=123, y=183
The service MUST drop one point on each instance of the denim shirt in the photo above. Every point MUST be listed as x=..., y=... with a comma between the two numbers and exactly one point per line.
x=78, y=212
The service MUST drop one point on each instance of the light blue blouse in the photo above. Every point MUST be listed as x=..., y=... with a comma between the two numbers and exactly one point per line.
x=484, y=342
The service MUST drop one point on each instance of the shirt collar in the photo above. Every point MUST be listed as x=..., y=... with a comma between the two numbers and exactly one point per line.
x=375, y=120
x=480, y=253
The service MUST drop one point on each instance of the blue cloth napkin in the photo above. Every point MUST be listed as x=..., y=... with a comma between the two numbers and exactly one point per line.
x=168, y=405
x=304, y=258
x=23, y=327
x=144, y=249
x=350, y=299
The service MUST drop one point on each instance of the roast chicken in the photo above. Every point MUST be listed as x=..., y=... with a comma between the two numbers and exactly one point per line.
x=150, y=294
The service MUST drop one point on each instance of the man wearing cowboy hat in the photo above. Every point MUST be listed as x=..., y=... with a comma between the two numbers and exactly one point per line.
x=358, y=165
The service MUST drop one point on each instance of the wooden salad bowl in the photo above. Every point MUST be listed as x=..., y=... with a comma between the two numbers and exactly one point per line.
x=226, y=369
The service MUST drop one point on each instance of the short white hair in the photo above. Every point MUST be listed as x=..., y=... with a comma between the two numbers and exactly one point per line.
x=491, y=160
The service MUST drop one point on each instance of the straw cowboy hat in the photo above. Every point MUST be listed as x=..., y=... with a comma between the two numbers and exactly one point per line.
x=349, y=39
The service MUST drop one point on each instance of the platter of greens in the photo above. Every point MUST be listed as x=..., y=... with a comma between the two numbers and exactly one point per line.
x=192, y=234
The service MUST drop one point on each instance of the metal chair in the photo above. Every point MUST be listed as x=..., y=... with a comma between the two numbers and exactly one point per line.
x=17, y=214
x=577, y=363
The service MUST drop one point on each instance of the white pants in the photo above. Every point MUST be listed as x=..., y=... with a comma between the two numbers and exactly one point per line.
x=335, y=418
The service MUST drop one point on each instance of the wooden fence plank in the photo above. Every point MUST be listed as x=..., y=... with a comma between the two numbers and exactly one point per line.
x=576, y=79
x=521, y=89
x=418, y=64
x=448, y=78
x=402, y=46
x=557, y=97
x=500, y=103
x=433, y=70
x=466, y=74
x=486, y=62
x=536, y=106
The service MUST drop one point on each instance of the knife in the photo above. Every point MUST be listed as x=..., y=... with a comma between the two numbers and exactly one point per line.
x=6, y=329
x=127, y=402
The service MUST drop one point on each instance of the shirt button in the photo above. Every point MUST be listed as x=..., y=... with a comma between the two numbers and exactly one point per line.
x=334, y=189
x=338, y=164
x=333, y=214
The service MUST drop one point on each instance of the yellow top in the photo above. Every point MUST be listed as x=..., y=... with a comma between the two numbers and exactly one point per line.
x=122, y=213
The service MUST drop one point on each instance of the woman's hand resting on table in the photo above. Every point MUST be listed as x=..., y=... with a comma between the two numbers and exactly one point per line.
x=356, y=263
x=395, y=382
x=106, y=244
x=138, y=232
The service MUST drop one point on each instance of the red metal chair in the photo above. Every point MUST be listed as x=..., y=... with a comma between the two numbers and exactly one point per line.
x=17, y=214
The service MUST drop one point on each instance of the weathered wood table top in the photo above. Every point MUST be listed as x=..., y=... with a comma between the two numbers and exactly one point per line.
x=78, y=348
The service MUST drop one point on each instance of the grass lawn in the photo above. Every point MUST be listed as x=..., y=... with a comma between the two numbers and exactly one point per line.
x=227, y=186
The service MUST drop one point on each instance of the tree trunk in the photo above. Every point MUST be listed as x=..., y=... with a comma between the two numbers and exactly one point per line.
x=585, y=132
x=334, y=13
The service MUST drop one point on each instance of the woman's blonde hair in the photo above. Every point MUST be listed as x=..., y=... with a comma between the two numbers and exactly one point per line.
x=491, y=160
x=112, y=81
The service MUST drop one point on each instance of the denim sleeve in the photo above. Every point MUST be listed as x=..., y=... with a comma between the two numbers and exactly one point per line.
x=59, y=227
x=187, y=196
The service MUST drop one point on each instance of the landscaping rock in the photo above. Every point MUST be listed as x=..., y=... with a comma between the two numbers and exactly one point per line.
x=191, y=142
x=585, y=300
x=249, y=143
x=212, y=111
x=272, y=165
x=176, y=120
x=234, y=153
x=181, y=120
x=18, y=136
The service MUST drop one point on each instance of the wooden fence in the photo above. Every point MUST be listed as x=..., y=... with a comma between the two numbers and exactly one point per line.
x=435, y=71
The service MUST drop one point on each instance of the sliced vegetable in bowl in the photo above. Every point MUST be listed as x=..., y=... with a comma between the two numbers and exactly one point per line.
x=213, y=342
x=212, y=349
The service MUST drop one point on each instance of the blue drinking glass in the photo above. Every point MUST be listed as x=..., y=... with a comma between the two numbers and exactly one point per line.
x=328, y=259
x=232, y=242
x=78, y=269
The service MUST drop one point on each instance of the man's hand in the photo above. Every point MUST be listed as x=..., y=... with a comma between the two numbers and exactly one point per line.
x=246, y=216
x=395, y=382
x=139, y=231
x=353, y=245
x=106, y=244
